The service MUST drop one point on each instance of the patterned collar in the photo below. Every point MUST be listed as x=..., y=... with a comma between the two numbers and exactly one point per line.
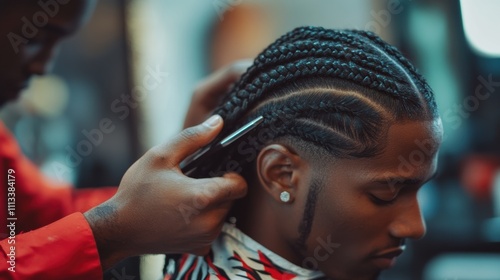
x=235, y=255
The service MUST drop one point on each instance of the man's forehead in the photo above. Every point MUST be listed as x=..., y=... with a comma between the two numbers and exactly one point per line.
x=407, y=139
x=409, y=156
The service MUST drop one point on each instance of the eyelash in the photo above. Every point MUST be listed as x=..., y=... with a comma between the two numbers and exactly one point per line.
x=382, y=202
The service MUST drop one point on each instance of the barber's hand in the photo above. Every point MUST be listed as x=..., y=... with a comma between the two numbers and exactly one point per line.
x=157, y=209
x=211, y=90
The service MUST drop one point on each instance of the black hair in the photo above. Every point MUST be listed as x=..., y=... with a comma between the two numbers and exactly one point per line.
x=323, y=90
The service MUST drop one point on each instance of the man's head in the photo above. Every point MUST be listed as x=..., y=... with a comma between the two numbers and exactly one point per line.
x=30, y=32
x=351, y=132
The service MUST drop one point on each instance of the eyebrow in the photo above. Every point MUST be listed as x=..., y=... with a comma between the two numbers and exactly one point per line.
x=403, y=180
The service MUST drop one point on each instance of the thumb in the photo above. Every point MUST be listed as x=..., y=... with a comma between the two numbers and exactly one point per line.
x=192, y=139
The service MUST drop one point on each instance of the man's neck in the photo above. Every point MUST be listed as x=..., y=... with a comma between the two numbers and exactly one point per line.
x=257, y=217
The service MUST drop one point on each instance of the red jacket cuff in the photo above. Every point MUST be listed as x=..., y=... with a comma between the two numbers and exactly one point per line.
x=65, y=249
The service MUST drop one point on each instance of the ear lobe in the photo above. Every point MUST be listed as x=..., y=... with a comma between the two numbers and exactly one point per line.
x=277, y=168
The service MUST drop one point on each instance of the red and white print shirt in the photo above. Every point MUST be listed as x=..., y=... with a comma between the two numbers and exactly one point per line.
x=235, y=255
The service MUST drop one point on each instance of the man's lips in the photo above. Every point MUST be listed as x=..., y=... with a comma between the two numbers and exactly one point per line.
x=387, y=258
x=391, y=252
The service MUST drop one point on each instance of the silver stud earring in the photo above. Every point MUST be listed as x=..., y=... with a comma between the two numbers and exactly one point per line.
x=285, y=196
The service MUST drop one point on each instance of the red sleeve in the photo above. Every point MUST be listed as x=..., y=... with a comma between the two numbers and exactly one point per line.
x=62, y=250
x=38, y=200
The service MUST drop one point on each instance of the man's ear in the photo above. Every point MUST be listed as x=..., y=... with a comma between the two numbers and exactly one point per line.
x=279, y=170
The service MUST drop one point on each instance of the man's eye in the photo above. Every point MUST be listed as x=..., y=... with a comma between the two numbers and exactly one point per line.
x=381, y=201
x=384, y=196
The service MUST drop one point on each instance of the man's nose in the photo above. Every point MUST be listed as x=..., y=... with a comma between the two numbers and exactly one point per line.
x=409, y=223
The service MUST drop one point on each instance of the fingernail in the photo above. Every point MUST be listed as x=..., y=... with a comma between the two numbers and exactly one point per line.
x=213, y=121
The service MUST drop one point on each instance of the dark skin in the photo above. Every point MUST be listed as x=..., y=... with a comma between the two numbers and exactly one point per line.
x=349, y=213
x=153, y=187
x=32, y=55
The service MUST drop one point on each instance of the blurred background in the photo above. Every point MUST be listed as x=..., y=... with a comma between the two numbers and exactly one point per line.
x=137, y=62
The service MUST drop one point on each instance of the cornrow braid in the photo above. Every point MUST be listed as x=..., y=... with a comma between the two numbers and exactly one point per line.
x=328, y=46
x=337, y=90
x=324, y=94
x=323, y=67
x=423, y=86
x=310, y=33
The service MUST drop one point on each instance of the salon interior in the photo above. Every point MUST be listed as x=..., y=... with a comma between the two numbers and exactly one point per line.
x=454, y=44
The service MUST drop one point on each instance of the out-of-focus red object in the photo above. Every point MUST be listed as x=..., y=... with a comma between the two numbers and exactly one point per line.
x=477, y=174
x=63, y=249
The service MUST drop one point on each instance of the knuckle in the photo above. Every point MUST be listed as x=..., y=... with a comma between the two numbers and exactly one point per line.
x=188, y=134
x=201, y=200
x=157, y=154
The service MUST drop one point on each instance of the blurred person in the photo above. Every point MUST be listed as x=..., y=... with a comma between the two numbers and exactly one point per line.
x=350, y=133
x=46, y=234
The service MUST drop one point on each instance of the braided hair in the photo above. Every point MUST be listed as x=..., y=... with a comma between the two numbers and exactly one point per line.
x=320, y=90
x=323, y=89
